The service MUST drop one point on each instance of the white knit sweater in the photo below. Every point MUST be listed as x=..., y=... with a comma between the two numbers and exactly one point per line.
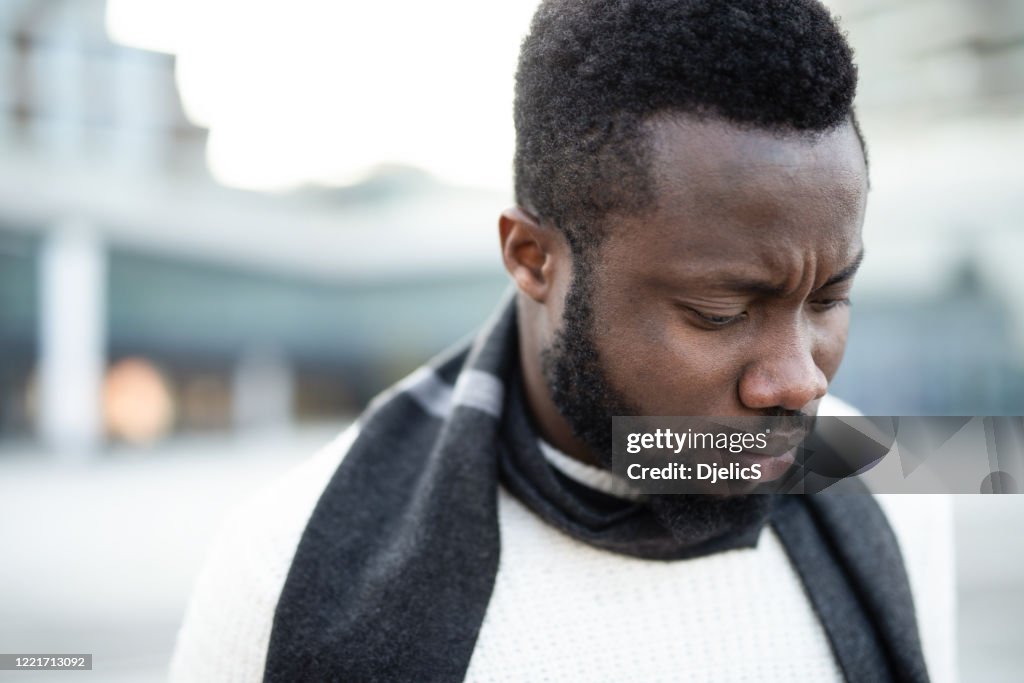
x=564, y=611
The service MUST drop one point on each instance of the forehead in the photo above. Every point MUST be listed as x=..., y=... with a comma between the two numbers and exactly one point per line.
x=729, y=194
x=719, y=156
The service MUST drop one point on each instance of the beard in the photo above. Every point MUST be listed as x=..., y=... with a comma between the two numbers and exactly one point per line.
x=586, y=398
x=575, y=372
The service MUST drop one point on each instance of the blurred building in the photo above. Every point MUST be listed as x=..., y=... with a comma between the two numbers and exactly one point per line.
x=140, y=299
x=935, y=60
x=246, y=310
x=939, y=308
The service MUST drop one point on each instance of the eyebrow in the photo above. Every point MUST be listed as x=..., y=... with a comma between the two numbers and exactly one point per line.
x=847, y=272
x=766, y=289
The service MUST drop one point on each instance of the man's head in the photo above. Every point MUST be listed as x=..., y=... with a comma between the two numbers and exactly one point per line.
x=692, y=184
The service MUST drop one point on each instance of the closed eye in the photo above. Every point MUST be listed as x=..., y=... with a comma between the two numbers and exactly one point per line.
x=716, y=321
x=828, y=304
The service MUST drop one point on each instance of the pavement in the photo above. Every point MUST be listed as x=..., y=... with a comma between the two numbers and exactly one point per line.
x=100, y=556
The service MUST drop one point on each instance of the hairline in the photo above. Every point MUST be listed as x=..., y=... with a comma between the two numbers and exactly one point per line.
x=642, y=142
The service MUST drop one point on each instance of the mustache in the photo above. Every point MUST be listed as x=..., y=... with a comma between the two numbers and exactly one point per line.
x=780, y=429
x=786, y=421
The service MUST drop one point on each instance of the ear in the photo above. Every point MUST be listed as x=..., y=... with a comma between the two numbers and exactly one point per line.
x=529, y=250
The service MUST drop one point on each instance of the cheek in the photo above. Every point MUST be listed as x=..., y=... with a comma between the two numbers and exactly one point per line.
x=667, y=367
x=661, y=364
x=831, y=342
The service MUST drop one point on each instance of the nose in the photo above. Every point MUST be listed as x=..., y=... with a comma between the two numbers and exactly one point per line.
x=786, y=377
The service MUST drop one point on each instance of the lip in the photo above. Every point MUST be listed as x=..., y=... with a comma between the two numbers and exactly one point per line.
x=772, y=466
x=790, y=435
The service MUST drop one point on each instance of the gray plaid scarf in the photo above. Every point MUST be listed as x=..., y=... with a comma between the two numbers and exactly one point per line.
x=394, y=571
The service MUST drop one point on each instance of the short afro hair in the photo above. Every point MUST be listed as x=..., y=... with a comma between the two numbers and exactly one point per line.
x=592, y=72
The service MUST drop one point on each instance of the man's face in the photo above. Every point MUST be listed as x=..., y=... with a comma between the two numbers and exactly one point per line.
x=729, y=297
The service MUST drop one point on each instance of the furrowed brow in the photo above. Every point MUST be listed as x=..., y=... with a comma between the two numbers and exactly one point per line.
x=752, y=287
x=846, y=273
x=767, y=289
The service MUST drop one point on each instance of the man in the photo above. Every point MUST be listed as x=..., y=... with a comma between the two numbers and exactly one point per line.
x=691, y=185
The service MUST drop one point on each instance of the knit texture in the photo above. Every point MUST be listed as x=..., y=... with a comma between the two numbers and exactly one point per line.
x=394, y=571
x=624, y=618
